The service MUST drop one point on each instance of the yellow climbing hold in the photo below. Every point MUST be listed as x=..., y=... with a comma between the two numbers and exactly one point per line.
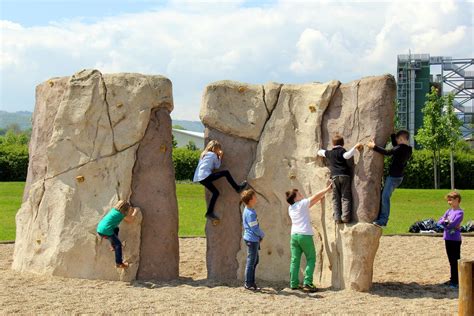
x=242, y=89
x=312, y=108
x=51, y=83
x=119, y=105
x=80, y=179
x=163, y=148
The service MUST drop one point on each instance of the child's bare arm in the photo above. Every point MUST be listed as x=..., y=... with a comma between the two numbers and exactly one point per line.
x=131, y=217
x=288, y=220
x=320, y=195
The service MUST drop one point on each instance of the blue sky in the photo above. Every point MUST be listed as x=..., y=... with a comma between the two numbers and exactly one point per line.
x=194, y=42
x=39, y=12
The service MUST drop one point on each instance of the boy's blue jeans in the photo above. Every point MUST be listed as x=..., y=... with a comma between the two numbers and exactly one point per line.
x=252, y=262
x=391, y=183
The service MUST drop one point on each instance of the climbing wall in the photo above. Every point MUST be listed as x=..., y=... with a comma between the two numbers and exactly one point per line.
x=98, y=139
x=270, y=135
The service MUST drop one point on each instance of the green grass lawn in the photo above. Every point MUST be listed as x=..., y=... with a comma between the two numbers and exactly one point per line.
x=10, y=199
x=408, y=206
x=192, y=208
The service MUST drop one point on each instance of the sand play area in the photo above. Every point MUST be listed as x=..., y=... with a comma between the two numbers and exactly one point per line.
x=407, y=278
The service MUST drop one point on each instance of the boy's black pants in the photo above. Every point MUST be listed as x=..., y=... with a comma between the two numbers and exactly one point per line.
x=342, y=198
x=453, y=250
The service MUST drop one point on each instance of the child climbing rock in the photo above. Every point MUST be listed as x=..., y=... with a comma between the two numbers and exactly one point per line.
x=210, y=160
x=341, y=177
x=401, y=153
x=451, y=221
x=253, y=235
x=108, y=227
x=302, y=237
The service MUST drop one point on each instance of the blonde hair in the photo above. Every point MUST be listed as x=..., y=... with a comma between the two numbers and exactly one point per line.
x=213, y=145
x=453, y=195
x=122, y=206
x=246, y=196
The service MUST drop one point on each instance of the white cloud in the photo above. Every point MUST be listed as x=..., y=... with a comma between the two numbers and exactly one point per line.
x=194, y=44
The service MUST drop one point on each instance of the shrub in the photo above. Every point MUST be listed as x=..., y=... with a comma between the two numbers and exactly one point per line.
x=13, y=162
x=185, y=162
x=419, y=171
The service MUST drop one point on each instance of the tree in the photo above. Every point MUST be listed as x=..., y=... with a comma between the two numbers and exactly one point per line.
x=192, y=146
x=440, y=127
x=453, y=131
x=396, y=119
x=178, y=127
x=11, y=138
x=173, y=141
x=14, y=127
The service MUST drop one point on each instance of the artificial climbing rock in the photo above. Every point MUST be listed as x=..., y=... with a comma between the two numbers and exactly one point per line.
x=86, y=153
x=279, y=154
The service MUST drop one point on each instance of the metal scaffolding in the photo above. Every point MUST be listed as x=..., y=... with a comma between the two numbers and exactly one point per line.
x=457, y=77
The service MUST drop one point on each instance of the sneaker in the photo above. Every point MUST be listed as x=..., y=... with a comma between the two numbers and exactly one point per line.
x=296, y=288
x=379, y=225
x=123, y=265
x=242, y=186
x=252, y=287
x=310, y=288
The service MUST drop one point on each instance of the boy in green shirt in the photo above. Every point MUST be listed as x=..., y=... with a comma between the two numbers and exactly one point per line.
x=108, y=227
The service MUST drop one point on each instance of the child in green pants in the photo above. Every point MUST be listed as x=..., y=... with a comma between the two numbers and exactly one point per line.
x=302, y=237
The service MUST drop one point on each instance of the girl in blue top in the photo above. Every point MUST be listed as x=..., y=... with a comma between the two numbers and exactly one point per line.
x=108, y=227
x=210, y=160
x=253, y=235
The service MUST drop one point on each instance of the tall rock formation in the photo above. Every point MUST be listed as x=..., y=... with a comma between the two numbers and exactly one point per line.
x=270, y=135
x=97, y=139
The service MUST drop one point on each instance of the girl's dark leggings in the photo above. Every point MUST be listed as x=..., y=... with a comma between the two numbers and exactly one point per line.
x=453, y=250
x=215, y=193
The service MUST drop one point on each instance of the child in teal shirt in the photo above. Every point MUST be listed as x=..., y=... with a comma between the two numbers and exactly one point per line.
x=108, y=227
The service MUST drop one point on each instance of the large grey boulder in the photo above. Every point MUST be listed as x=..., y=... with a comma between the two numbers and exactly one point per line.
x=280, y=154
x=97, y=139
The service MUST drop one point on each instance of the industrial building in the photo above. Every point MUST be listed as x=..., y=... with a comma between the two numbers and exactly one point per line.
x=183, y=137
x=417, y=73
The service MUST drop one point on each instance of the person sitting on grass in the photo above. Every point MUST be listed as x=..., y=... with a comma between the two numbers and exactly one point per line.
x=108, y=228
x=302, y=237
x=451, y=222
x=253, y=235
x=401, y=153
x=341, y=177
x=210, y=160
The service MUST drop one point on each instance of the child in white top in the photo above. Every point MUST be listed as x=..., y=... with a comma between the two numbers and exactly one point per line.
x=302, y=237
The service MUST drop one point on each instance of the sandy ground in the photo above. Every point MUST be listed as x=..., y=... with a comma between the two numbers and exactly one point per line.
x=407, y=277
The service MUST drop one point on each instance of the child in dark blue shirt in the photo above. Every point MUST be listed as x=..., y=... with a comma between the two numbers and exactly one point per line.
x=401, y=153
